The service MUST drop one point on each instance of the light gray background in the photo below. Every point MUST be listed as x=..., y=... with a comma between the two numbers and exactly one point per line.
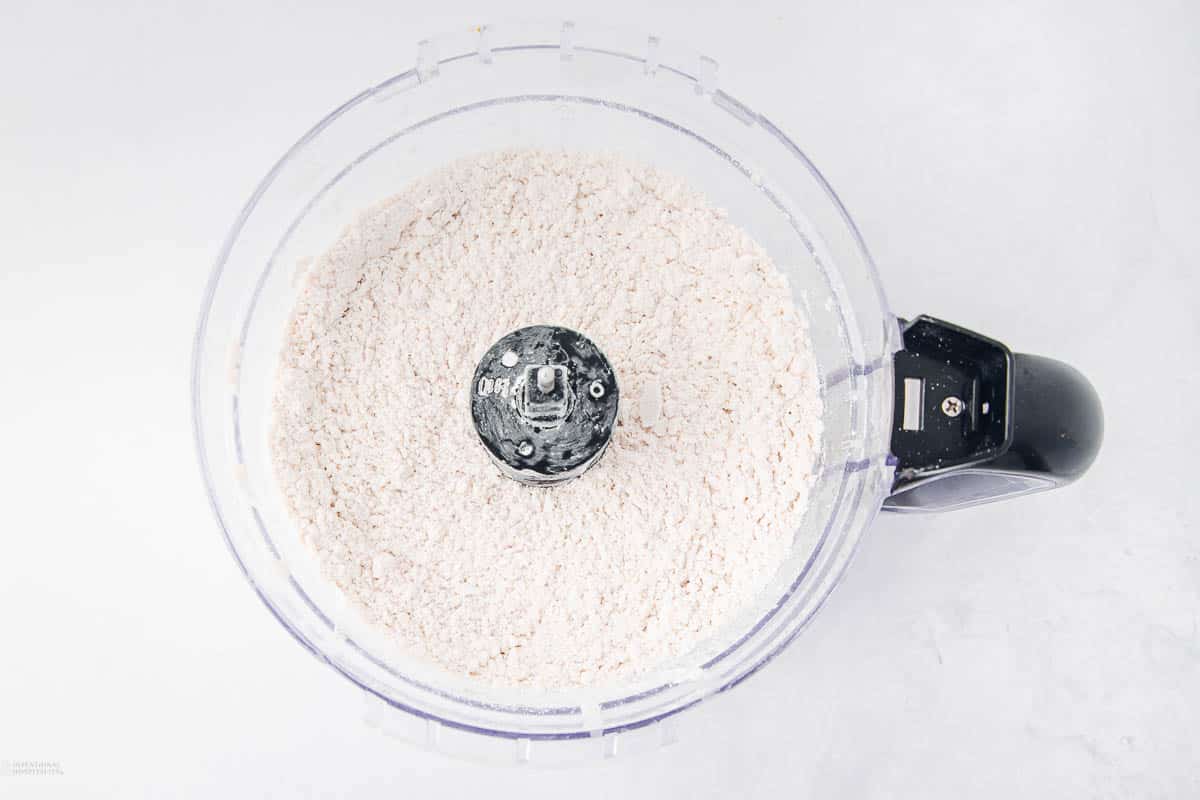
x=1028, y=169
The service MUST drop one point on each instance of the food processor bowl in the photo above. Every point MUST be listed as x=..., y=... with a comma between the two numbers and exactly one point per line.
x=550, y=86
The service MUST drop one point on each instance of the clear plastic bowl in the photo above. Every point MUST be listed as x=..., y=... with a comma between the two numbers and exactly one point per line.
x=555, y=86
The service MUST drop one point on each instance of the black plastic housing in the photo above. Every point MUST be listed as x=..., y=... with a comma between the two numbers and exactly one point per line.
x=973, y=422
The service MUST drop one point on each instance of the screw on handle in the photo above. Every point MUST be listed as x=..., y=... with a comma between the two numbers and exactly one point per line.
x=975, y=422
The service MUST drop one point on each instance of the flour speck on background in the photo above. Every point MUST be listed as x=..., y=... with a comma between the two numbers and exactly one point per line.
x=680, y=524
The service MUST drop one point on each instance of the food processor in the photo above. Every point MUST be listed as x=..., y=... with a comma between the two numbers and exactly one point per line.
x=919, y=414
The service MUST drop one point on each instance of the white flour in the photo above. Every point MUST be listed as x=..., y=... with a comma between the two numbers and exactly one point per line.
x=684, y=519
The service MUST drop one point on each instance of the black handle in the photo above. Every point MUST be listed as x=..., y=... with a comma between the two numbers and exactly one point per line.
x=975, y=422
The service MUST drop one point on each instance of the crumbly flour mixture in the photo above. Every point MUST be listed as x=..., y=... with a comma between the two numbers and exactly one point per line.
x=686, y=516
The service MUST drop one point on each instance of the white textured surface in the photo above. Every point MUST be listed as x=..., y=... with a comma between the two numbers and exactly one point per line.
x=660, y=545
x=1028, y=169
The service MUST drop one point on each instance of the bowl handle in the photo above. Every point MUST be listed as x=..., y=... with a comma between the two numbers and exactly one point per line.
x=974, y=422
